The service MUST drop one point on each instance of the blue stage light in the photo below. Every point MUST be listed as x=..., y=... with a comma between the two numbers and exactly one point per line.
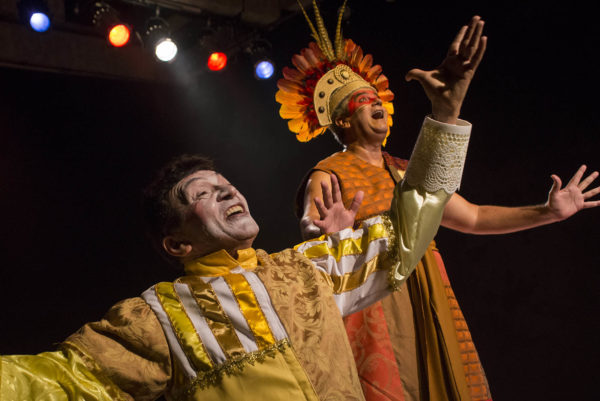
x=39, y=22
x=264, y=69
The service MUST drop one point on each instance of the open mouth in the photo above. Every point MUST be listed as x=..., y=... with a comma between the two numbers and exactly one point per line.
x=378, y=115
x=234, y=210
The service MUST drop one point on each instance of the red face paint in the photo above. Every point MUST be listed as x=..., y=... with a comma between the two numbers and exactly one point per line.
x=361, y=97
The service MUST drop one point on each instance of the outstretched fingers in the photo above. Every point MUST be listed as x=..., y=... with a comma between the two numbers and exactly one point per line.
x=577, y=176
x=591, y=193
x=471, y=28
x=588, y=180
x=590, y=204
x=320, y=208
x=476, y=59
x=335, y=189
x=455, y=46
x=356, y=202
x=475, y=39
x=327, y=198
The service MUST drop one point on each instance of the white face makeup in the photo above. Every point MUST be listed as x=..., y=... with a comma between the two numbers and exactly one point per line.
x=215, y=215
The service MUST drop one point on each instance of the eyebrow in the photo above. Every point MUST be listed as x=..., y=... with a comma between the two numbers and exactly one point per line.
x=181, y=194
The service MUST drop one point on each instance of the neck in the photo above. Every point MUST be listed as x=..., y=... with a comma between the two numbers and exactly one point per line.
x=370, y=153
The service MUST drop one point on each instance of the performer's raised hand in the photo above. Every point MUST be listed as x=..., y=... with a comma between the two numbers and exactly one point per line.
x=333, y=215
x=565, y=202
x=446, y=85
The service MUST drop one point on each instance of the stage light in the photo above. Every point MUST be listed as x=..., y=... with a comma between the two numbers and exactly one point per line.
x=107, y=20
x=158, y=38
x=119, y=35
x=264, y=69
x=165, y=50
x=217, y=61
x=35, y=13
x=39, y=22
x=258, y=51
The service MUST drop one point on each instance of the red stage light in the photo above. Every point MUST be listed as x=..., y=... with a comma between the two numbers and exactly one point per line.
x=119, y=35
x=217, y=61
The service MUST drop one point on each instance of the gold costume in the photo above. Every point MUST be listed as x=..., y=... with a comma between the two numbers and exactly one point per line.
x=260, y=327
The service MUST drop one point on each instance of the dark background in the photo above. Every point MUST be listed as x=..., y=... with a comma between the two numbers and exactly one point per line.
x=75, y=153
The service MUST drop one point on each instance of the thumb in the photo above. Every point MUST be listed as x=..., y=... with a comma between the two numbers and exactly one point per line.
x=556, y=184
x=415, y=73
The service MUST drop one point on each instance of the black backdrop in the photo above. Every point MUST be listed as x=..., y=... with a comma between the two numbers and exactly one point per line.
x=76, y=151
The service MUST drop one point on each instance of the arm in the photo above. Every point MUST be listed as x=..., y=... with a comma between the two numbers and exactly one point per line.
x=562, y=203
x=446, y=85
x=122, y=357
x=361, y=264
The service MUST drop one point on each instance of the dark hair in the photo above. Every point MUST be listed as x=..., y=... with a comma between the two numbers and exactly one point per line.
x=160, y=214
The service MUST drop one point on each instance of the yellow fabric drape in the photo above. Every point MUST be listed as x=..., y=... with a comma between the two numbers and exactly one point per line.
x=53, y=376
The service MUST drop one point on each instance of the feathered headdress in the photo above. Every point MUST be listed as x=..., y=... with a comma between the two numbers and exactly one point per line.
x=310, y=92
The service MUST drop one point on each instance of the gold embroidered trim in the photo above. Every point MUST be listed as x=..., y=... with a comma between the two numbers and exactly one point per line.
x=236, y=365
x=391, y=257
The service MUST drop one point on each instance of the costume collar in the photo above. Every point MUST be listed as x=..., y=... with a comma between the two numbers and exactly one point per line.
x=220, y=263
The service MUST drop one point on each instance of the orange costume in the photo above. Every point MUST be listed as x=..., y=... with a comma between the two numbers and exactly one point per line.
x=412, y=344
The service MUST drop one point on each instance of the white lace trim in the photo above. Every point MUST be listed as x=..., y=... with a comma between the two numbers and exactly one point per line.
x=438, y=158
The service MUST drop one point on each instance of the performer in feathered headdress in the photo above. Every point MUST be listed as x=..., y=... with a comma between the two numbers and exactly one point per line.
x=415, y=344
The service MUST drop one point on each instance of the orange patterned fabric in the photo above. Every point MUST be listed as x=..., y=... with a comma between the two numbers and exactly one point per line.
x=474, y=373
x=357, y=175
x=367, y=329
x=371, y=338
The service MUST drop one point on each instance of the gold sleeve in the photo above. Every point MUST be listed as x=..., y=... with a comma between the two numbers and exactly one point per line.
x=433, y=174
x=124, y=356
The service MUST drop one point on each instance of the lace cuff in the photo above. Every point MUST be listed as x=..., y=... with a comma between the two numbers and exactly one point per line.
x=439, y=155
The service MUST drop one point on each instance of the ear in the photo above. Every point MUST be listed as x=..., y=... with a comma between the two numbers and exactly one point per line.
x=176, y=247
x=342, y=122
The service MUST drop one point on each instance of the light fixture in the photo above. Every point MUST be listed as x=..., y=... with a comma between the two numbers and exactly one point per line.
x=158, y=38
x=107, y=20
x=258, y=52
x=264, y=69
x=216, y=61
x=36, y=14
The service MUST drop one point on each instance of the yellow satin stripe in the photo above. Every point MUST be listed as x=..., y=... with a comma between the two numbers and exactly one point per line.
x=218, y=321
x=349, y=246
x=183, y=327
x=251, y=309
x=350, y=281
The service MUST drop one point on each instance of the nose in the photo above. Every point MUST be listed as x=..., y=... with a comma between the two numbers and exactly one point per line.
x=226, y=192
x=377, y=102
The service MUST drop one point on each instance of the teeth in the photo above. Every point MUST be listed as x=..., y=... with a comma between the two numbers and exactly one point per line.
x=234, y=209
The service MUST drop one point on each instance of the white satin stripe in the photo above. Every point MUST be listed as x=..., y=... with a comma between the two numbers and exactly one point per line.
x=195, y=314
x=232, y=309
x=151, y=299
x=265, y=304
x=375, y=287
x=351, y=262
x=340, y=235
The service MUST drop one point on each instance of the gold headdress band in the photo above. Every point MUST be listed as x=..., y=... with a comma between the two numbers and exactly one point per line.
x=324, y=76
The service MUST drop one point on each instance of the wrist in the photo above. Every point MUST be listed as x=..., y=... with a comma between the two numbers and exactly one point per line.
x=552, y=215
x=446, y=116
